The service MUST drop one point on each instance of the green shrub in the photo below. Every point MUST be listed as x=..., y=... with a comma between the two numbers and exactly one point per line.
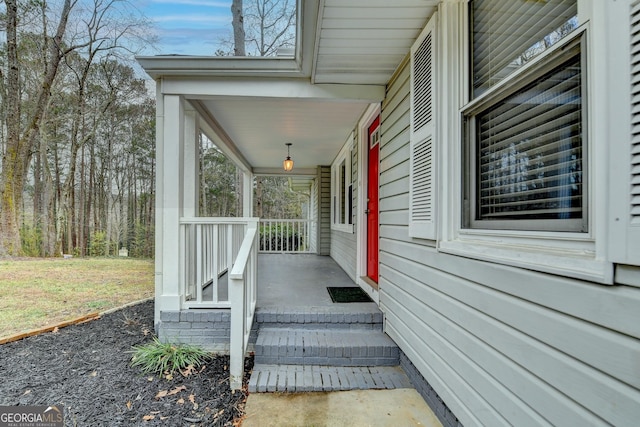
x=97, y=244
x=165, y=358
x=279, y=238
x=141, y=243
x=31, y=240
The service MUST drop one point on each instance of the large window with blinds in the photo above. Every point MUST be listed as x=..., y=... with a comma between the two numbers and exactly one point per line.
x=525, y=132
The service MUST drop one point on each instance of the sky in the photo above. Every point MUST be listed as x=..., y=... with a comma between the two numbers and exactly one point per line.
x=188, y=27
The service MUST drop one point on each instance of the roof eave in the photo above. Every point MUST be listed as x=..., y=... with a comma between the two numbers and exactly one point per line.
x=206, y=66
x=296, y=66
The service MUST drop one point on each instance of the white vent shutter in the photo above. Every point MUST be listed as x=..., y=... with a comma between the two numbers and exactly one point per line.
x=422, y=83
x=633, y=234
x=635, y=113
x=422, y=214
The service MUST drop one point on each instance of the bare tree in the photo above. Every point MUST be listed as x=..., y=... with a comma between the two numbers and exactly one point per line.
x=20, y=142
x=238, y=28
x=270, y=26
x=83, y=34
x=102, y=31
x=260, y=28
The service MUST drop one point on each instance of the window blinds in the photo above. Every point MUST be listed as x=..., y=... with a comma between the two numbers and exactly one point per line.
x=507, y=33
x=529, y=150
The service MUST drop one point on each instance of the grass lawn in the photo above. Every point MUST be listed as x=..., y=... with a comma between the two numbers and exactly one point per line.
x=35, y=292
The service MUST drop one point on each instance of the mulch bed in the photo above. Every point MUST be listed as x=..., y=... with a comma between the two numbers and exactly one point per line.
x=86, y=368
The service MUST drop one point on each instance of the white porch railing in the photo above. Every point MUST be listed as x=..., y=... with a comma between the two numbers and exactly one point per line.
x=211, y=247
x=242, y=293
x=285, y=235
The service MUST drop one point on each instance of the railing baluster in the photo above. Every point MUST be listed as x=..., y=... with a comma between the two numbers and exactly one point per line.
x=183, y=260
x=221, y=252
x=285, y=235
x=206, y=248
x=230, y=249
x=199, y=267
x=214, y=261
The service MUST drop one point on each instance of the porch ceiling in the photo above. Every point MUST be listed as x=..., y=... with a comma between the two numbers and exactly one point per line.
x=260, y=127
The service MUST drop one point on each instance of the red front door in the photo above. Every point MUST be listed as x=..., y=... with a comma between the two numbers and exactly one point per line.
x=372, y=200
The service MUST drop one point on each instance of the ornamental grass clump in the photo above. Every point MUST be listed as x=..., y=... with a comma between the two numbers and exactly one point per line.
x=165, y=358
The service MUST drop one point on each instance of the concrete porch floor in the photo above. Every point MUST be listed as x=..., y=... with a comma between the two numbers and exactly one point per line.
x=301, y=280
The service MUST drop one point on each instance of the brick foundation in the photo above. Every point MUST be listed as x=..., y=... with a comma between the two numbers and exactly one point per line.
x=427, y=392
x=206, y=328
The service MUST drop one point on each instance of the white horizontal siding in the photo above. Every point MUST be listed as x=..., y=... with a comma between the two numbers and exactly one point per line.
x=501, y=345
x=343, y=251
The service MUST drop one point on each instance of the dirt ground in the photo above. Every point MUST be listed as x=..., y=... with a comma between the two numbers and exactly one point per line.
x=86, y=369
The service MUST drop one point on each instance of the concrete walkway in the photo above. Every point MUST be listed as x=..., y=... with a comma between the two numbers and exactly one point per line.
x=358, y=408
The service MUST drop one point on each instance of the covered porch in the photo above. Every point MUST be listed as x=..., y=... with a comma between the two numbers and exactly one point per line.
x=195, y=253
x=323, y=100
x=279, y=309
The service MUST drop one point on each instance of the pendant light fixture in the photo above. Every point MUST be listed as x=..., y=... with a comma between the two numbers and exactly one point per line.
x=288, y=163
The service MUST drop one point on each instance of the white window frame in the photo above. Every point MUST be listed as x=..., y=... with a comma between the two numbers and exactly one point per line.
x=483, y=103
x=338, y=222
x=570, y=254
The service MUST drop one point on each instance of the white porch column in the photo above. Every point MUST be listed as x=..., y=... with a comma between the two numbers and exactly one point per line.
x=159, y=235
x=247, y=194
x=170, y=176
x=191, y=185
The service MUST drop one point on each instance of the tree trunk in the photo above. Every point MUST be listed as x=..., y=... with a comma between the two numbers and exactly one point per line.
x=18, y=155
x=82, y=211
x=38, y=193
x=108, y=194
x=259, y=197
x=240, y=195
x=12, y=171
x=238, y=28
x=47, y=200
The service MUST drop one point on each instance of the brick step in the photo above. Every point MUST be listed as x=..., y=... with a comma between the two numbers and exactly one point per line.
x=329, y=347
x=319, y=318
x=299, y=378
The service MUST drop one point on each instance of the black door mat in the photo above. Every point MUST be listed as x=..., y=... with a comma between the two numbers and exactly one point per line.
x=348, y=294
